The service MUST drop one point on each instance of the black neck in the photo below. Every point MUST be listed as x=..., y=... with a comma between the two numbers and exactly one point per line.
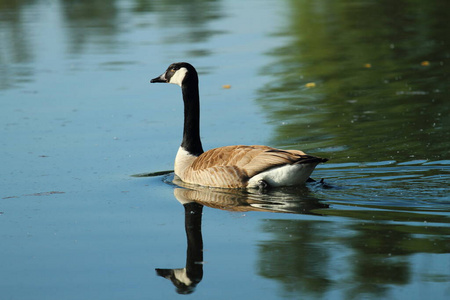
x=191, y=133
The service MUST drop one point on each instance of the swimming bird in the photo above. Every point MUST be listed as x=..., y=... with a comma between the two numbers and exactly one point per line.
x=230, y=166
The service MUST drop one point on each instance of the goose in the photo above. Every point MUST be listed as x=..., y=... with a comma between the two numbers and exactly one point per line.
x=239, y=166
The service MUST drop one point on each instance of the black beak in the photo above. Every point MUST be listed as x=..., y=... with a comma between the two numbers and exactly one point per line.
x=161, y=78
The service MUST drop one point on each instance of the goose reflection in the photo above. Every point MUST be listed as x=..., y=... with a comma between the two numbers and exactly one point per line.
x=194, y=198
x=186, y=279
x=295, y=200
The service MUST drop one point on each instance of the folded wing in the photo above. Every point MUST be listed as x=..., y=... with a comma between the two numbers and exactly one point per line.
x=233, y=166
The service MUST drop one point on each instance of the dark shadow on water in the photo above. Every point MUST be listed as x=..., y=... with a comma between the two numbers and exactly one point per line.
x=152, y=174
x=194, y=198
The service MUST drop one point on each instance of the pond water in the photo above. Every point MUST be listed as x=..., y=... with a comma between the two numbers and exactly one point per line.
x=365, y=84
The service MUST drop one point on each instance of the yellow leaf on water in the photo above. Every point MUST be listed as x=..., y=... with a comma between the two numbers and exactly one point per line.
x=425, y=63
x=226, y=86
x=310, y=84
x=368, y=66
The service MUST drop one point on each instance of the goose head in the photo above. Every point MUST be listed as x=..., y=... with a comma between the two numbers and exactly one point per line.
x=178, y=73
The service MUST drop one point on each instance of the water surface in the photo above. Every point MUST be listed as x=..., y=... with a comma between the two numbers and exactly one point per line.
x=365, y=84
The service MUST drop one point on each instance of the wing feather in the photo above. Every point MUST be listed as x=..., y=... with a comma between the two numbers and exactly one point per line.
x=232, y=166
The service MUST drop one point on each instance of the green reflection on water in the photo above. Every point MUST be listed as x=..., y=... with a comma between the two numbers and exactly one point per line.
x=381, y=75
x=312, y=257
x=362, y=82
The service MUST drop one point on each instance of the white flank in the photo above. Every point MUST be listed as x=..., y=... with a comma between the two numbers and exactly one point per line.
x=287, y=175
x=178, y=77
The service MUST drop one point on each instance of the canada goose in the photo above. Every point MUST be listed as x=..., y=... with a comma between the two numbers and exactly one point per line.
x=230, y=166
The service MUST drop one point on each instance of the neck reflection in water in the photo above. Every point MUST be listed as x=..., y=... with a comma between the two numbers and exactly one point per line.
x=186, y=279
x=195, y=197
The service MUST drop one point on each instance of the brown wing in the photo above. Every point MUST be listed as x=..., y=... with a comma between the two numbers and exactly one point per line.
x=232, y=166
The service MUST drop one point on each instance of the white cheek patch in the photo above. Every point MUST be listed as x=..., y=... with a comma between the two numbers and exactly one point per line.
x=178, y=77
x=182, y=276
